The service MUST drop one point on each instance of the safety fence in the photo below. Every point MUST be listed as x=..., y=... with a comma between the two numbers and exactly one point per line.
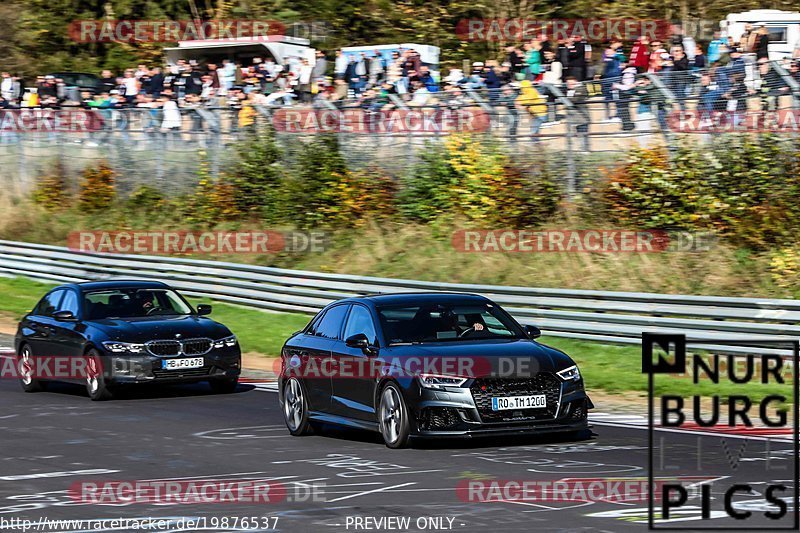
x=716, y=323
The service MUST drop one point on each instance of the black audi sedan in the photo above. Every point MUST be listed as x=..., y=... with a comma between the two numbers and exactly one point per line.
x=427, y=365
x=112, y=333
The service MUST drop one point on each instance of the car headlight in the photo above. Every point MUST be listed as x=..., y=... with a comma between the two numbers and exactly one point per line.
x=435, y=381
x=123, y=347
x=227, y=341
x=570, y=374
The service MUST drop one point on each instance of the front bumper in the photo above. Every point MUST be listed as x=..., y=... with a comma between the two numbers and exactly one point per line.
x=453, y=413
x=224, y=363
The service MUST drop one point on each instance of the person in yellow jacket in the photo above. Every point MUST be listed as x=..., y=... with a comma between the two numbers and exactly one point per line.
x=247, y=114
x=535, y=104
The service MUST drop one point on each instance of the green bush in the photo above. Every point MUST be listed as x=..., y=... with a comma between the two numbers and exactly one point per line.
x=98, y=190
x=475, y=182
x=257, y=174
x=52, y=191
x=747, y=188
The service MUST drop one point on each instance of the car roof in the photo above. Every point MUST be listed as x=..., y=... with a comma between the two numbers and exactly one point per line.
x=418, y=298
x=88, y=286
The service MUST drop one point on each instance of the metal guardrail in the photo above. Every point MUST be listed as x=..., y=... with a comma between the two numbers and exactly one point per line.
x=610, y=317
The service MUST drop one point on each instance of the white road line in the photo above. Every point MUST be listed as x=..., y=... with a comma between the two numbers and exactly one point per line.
x=65, y=473
x=382, y=489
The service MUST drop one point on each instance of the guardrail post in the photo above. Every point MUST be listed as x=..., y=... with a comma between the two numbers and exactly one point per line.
x=570, y=111
x=787, y=78
x=669, y=101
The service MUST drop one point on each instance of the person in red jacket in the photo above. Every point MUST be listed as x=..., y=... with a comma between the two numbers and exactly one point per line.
x=640, y=55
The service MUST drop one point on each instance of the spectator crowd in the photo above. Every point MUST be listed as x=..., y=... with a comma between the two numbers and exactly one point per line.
x=529, y=80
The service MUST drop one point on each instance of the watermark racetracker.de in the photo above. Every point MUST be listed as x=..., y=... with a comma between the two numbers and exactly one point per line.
x=169, y=31
x=400, y=121
x=198, y=242
x=580, y=241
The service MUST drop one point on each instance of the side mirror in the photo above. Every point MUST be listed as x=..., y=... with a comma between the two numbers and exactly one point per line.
x=359, y=340
x=533, y=332
x=203, y=309
x=64, y=315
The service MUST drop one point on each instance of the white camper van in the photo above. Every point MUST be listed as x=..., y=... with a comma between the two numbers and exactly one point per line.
x=428, y=55
x=280, y=47
x=783, y=26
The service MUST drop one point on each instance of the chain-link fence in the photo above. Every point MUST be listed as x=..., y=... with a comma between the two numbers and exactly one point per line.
x=577, y=127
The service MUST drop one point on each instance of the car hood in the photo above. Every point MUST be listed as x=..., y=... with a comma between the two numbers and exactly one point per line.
x=494, y=353
x=143, y=329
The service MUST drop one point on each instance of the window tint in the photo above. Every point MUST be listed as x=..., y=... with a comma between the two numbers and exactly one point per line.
x=69, y=302
x=133, y=303
x=442, y=322
x=331, y=324
x=312, y=328
x=49, y=304
x=360, y=321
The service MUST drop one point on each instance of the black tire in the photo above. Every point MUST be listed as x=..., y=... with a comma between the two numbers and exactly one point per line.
x=224, y=386
x=393, y=417
x=295, y=408
x=96, y=385
x=25, y=366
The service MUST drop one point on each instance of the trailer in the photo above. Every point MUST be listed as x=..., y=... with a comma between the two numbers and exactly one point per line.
x=281, y=48
x=783, y=27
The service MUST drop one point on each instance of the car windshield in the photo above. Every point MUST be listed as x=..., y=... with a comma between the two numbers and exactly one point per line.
x=438, y=323
x=127, y=303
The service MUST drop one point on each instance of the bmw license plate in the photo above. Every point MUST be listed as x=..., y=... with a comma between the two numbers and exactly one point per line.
x=180, y=364
x=534, y=401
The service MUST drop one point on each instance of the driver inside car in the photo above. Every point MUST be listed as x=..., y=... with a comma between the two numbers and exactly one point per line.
x=144, y=300
x=451, y=323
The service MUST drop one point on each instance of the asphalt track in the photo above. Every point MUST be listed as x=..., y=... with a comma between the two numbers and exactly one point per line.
x=53, y=439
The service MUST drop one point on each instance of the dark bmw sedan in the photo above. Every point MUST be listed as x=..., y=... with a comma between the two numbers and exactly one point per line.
x=112, y=333
x=427, y=365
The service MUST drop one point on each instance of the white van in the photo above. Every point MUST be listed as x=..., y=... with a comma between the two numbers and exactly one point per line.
x=279, y=47
x=783, y=26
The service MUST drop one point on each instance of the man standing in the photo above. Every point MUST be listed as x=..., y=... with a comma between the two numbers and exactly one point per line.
x=640, y=55
x=340, y=66
x=576, y=53
x=227, y=76
x=107, y=82
x=320, y=67
x=578, y=94
x=714, y=51
x=304, y=82
x=7, y=87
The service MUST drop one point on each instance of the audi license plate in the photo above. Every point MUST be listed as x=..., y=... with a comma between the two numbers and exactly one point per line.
x=534, y=401
x=179, y=364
